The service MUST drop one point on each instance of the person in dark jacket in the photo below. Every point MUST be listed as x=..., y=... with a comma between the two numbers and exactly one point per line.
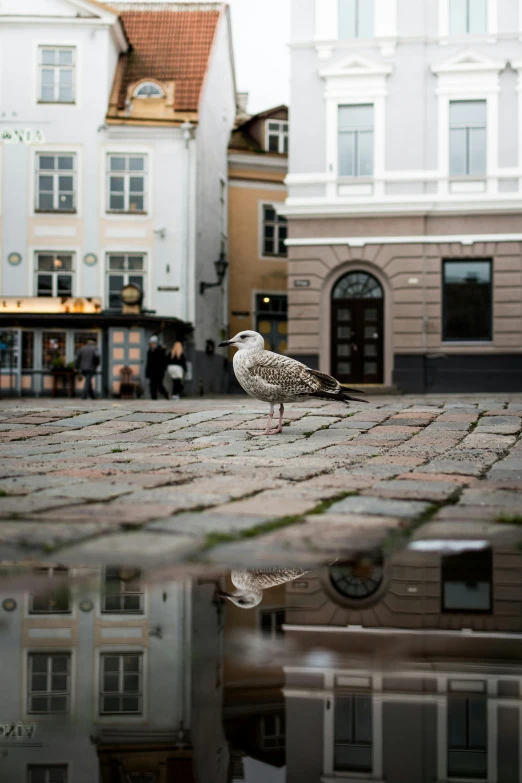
x=176, y=368
x=87, y=361
x=155, y=370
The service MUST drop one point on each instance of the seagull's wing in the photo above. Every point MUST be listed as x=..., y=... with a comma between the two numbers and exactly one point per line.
x=291, y=377
x=256, y=579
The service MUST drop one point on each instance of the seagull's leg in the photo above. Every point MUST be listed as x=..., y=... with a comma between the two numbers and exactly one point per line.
x=280, y=425
x=266, y=431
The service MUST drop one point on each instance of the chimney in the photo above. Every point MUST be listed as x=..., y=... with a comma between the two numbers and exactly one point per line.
x=242, y=101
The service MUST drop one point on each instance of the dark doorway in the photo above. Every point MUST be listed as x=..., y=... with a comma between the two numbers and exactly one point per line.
x=358, y=329
x=271, y=321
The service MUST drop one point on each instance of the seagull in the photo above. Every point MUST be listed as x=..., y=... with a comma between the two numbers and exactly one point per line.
x=276, y=379
x=251, y=583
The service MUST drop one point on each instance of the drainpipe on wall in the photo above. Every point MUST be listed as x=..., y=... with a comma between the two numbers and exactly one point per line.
x=188, y=135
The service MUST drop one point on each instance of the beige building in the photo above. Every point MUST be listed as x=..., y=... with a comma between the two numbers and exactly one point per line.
x=258, y=164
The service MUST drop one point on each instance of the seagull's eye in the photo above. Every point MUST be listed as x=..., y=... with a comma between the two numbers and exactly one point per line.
x=243, y=336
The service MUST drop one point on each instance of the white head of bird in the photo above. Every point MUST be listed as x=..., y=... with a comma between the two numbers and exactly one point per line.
x=246, y=340
x=243, y=599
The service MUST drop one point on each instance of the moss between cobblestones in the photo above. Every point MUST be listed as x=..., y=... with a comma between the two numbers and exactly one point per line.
x=507, y=519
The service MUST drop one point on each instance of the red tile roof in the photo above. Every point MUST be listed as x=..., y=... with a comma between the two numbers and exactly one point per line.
x=169, y=45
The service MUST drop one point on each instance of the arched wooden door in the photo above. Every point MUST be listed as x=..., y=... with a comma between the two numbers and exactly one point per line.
x=358, y=329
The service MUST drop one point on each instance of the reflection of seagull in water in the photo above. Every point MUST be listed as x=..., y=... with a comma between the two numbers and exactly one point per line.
x=250, y=584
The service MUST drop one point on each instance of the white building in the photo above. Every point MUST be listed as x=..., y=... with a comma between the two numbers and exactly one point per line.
x=114, y=124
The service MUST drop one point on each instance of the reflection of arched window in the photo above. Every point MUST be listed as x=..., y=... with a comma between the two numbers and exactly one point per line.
x=148, y=90
x=359, y=579
x=358, y=285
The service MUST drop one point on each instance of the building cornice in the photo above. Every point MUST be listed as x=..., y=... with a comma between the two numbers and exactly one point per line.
x=306, y=209
x=434, y=239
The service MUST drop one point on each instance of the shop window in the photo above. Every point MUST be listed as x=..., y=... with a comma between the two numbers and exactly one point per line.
x=82, y=338
x=467, y=737
x=27, y=350
x=54, y=773
x=53, y=349
x=467, y=301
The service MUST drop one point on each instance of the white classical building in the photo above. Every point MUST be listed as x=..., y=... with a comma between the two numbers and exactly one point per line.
x=114, y=126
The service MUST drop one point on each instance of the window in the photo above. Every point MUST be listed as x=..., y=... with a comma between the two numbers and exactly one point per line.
x=271, y=321
x=53, y=597
x=55, y=183
x=47, y=774
x=57, y=74
x=358, y=580
x=466, y=582
x=468, y=138
x=277, y=136
x=82, y=338
x=122, y=593
x=273, y=732
x=467, y=737
x=49, y=683
x=355, y=19
x=27, y=350
x=467, y=301
x=126, y=178
x=148, y=90
x=468, y=16
x=142, y=777
x=353, y=733
x=121, y=684
x=122, y=269
x=356, y=141
x=274, y=232
x=271, y=623
x=54, y=274
x=53, y=348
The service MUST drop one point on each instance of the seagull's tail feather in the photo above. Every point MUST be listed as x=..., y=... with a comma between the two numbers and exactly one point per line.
x=330, y=389
x=346, y=397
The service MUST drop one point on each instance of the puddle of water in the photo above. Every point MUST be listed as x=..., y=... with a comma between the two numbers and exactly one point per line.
x=397, y=669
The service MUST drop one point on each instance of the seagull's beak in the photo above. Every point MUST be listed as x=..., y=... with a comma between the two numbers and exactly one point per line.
x=225, y=343
x=223, y=594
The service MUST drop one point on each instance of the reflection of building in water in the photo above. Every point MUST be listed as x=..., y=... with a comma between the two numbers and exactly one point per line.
x=409, y=671
x=111, y=681
x=254, y=705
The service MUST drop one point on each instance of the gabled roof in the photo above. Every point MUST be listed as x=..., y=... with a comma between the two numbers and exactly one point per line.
x=169, y=42
x=246, y=135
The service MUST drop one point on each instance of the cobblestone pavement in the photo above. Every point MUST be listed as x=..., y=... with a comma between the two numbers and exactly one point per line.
x=162, y=483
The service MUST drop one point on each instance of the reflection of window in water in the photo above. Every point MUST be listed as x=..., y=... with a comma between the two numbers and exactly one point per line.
x=121, y=684
x=271, y=623
x=273, y=731
x=49, y=683
x=466, y=581
x=358, y=580
x=467, y=737
x=142, y=777
x=353, y=733
x=122, y=591
x=52, y=598
x=54, y=773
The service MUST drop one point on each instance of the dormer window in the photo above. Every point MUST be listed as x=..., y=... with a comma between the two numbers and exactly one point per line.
x=277, y=136
x=148, y=90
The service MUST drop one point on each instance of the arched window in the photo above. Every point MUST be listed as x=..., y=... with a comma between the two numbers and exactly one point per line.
x=358, y=285
x=359, y=580
x=148, y=90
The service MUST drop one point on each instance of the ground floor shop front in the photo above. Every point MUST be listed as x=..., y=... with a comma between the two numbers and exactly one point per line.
x=422, y=304
x=38, y=351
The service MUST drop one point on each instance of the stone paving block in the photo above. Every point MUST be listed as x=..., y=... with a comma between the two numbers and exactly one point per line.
x=151, y=417
x=24, y=505
x=387, y=459
x=35, y=535
x=25, y=485
x=88, y=490
x=477, y=440
x=136, y=549
x=434, y=491
x=363, y=504
x=485, y=497
x=205, y=522
x=439, y=477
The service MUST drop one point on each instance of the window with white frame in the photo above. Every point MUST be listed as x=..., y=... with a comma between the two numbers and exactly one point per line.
x=122, y=269
x=356, y=19
x=468, y=138
x=55, y=182
x=57, y=74
x=467, y=737
x=121, y=684
x=148, y=90
x=273, y=731
x=48, y=773
x=122, y=592
x=277, y=136
x=127, y=179
x=356, y=140
x=271, y=623
x=353, y=733
x=49, y=683
x=468, y=17
x=275, y=232
x=54, y=274
x=53, y=595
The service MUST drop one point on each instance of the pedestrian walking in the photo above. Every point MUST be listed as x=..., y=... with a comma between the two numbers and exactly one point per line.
x=155, y=370
x=87, y=361
x=176, y=369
